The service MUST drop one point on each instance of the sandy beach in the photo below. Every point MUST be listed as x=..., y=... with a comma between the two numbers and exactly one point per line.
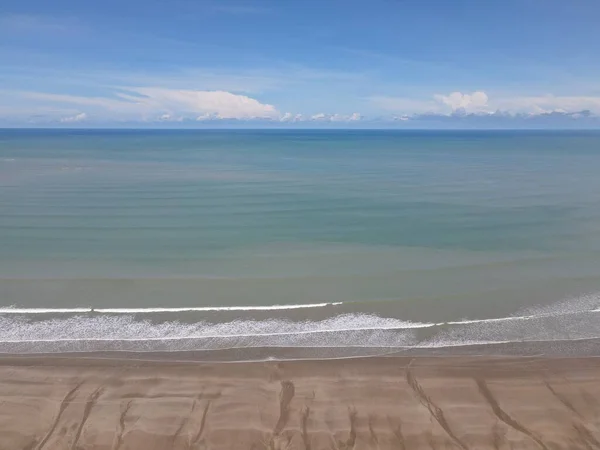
x=372, y=403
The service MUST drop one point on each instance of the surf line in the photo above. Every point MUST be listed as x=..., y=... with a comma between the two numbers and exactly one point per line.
x=16, y=310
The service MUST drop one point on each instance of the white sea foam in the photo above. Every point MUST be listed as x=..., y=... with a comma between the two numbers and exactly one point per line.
x=139, y=329
x=497, y=319
x=214, y=308
x=577, y=305
x=104, y=328
x=439, y=343
x=568, y=320
x=124, y=332
x=16, y=310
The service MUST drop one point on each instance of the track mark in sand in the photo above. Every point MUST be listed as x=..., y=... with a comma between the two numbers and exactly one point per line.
x=431, y=440
x=198, y=436
x=436, y=412
x=182, y=424
x=275, y=372
x=397, y=431
x=30, y=446
x=119, y=439
x=561, y=398
x=484, y=390
x=586, y=436
x=285, y=398
x=591, y=402
x=63, y=405
x=351, y=442
x=304, y=423
x=89, y=404
x=372, y=432
x=498, y=436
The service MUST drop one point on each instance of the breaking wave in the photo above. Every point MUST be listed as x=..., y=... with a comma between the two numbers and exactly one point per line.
x=27, y=330
x=126, y=333
x=16, y=310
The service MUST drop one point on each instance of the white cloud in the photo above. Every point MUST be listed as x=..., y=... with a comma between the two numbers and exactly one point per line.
x=71, y=99
x=168, y=117
x=151, y=103
x=223, y=104
x=479, y=102
x=73, y=119
x=289, y=117
x=206, y=116
x=437, y=104
x=162, y=105
x=475, y=102
x=322, y=117
x=548, y=103
x=154, y=105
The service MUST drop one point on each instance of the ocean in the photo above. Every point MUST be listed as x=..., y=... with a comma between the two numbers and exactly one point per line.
x=298, y=243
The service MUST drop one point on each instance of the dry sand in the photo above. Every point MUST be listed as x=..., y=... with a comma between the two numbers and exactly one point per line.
x=377, y=403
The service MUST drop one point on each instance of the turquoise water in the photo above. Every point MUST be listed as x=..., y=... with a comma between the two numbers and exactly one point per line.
x=388, y=236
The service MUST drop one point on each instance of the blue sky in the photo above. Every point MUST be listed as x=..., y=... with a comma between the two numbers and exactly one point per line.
x=338, y=63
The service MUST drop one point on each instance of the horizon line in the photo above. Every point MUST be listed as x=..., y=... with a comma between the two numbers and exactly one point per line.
x=100, y=128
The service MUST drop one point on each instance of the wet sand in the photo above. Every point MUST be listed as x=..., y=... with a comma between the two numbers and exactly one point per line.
x=371, y=403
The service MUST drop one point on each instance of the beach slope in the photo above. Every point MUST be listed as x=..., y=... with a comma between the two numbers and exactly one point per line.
x=373, y=403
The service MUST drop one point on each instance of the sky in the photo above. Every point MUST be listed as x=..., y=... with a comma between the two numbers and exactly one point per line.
x=308, y=63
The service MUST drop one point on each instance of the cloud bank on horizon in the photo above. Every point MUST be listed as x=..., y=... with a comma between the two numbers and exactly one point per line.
x=266, y=63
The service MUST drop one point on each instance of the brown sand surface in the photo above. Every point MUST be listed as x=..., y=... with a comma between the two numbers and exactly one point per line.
x=371, y=403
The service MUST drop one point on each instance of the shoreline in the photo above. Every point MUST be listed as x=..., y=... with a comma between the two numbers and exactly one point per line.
x=565, y=348
x=94, y=402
